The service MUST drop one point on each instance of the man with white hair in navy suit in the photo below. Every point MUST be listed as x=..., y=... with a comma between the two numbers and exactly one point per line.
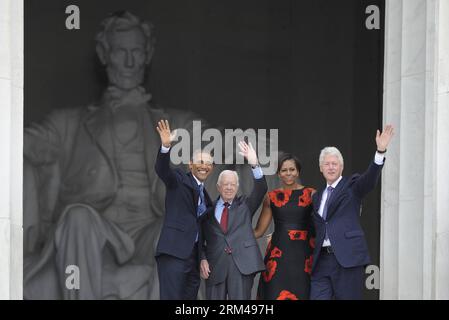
x=341, y=252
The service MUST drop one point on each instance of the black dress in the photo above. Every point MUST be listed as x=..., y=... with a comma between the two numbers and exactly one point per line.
x=288, y=258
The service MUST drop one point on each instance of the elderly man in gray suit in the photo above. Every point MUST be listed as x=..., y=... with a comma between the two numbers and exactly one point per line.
x=230, y=256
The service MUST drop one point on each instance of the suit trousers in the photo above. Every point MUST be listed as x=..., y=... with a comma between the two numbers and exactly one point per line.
x=179, y=279
x=330, y=280
x=236, y=286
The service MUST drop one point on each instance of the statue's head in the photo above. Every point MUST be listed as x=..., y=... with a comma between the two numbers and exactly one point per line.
x=125, y=46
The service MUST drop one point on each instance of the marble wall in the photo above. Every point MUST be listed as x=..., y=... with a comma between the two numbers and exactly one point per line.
x=11, y=128
x=442, y=154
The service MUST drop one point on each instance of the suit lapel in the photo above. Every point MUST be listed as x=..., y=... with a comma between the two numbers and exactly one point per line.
x=98, y=127
x=317, y=202
x=190, y=182
x=232, y=216
x=334, y=196
x=207, y=198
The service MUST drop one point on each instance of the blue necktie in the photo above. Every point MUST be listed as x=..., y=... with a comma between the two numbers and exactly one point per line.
x=326, y=206
x=202, y=206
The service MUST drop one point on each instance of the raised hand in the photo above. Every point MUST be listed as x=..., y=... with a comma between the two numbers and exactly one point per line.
x=384, y=138
x=248, y=152
x=166, y=135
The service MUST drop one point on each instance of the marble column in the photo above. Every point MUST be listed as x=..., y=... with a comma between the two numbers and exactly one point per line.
x=415, y=195
x=11, y=128
x=442, y=155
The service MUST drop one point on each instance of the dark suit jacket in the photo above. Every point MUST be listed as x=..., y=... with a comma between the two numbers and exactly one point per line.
x=343, y=219
x=240, y=236
x=181, y=224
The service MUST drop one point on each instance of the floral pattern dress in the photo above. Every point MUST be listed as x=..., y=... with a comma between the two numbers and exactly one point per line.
x=288, y=257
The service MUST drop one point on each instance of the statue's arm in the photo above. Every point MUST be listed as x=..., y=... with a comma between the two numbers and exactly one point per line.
x=43, y=142
x=43, y=147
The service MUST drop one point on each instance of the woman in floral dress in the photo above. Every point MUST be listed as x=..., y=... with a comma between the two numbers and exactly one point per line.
x=288, y=257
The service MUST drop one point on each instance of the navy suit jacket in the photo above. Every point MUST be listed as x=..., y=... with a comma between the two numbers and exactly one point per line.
x=181, y=224
x=343, y=219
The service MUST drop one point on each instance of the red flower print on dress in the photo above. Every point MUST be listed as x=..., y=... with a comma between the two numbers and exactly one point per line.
x=306, y=198
x=270, y=270
x=279, y=197
x=276, y=253
x=312, y=243
x=297, y=234
x=308, y=265
x=286, y=295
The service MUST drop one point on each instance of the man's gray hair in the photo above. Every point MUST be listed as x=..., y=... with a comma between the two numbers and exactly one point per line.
x=225, y=172
x=330, y=151
x=123, y=21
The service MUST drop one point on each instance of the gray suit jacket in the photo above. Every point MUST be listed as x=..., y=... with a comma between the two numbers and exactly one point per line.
x=240, y=236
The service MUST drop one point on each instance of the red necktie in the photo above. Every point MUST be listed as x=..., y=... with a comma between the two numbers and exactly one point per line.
x=224, y=218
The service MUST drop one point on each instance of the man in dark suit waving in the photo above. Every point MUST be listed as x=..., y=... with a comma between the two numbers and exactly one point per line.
x=341, y=251
x=231, y=256
x=186, y=201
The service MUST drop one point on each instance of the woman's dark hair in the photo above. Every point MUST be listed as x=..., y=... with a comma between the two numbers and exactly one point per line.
x=288, y=156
